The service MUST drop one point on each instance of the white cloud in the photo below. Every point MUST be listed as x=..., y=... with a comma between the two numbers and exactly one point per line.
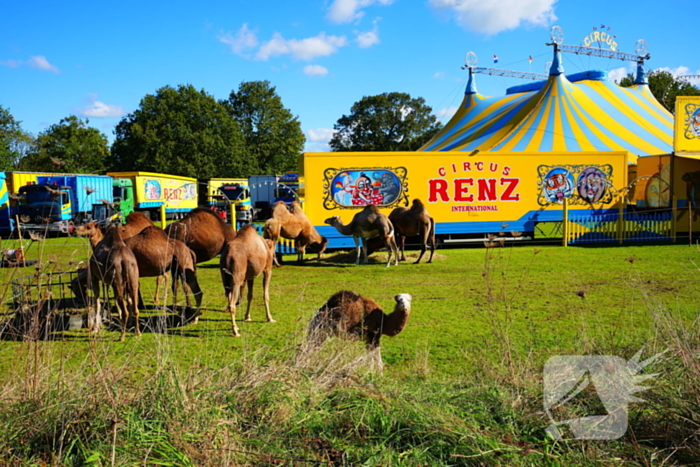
x=243, y=40
x=11, y=63
x=347, y=11
x=98, y=109
x=368, y=38
x=439, y=75
x=494, y=16
x=315, y=70
x=446, y=113
x=682, y=71
x=301, y=49
x=39, y=62
x=617, y=74
x=317, y=139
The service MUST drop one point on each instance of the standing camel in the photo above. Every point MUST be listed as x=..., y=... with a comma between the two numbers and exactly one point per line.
x=368, y=223
x=347, y=313
x=156, y=254
x=412, y=222
x=243, y=259
x=203, y=231
x=113, y=263
x=294, y=225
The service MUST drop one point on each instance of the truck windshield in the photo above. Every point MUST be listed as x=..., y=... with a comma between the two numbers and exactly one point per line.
x=34, y=197
x=235, y=193
x=118, y=193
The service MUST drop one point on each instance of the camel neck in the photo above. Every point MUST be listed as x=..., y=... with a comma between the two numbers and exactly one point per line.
x=395, y=322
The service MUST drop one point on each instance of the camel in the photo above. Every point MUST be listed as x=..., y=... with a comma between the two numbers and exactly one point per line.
x=136, y=221
x=243, y=259
x=156, y=254
x=294, y=225
x=347, y=313
x=203, y=231
x=368, y=223
x=412, y=222
x=113, y=263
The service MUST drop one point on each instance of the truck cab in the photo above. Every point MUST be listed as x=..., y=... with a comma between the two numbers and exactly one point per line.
x=46, y=207
x=239, y=194
x=123, y=192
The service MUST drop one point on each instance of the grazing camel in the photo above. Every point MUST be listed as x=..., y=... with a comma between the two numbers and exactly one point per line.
x=243, y=259
x=294, y=225
x=368, y=223
x=412, y=222
x=156, y=254
x=203, y=231
x=113, y=263
x=347, y=313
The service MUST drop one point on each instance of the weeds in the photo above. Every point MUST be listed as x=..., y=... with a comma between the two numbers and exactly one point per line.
x=462, y=385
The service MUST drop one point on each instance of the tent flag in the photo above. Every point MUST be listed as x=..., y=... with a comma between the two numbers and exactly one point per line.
x=495, y=58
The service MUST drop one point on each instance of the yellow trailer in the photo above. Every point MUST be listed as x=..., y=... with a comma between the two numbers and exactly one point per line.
x=467, y=194
x=147, y=192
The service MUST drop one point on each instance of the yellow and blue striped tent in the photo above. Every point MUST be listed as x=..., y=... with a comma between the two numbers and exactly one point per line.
x=580, y=112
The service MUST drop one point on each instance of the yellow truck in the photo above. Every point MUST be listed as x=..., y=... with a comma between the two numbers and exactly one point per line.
x=147, y=192
x=221, y=194
x=468, y=194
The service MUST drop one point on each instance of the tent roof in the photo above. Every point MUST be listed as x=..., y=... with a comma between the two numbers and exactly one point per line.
x=580, y=112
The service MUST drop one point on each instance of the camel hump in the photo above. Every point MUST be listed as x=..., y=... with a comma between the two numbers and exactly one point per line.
x=418, y=205
x=247, y=231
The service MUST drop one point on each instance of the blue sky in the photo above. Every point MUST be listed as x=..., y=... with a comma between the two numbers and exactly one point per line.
x=98, y=60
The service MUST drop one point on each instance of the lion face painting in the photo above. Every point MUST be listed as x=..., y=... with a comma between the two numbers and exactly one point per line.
x=591, y=185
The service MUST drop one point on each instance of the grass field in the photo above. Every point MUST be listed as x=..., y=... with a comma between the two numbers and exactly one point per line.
x=462, y=385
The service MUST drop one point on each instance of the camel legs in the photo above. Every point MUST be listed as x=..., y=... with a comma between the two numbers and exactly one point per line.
x=250, y=299
x=95, y=325
x=391, y=246
x=164, y=279
x=359, y=249
x=232, y=295
x=402, y=244
x=266, y=294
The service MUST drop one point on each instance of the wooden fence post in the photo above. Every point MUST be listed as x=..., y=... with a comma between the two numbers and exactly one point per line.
x=565, y=223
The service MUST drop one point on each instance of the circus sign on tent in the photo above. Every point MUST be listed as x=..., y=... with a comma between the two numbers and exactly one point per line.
x=600, y=39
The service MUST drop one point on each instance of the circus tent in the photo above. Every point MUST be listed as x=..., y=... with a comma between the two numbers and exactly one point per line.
x=569, y=113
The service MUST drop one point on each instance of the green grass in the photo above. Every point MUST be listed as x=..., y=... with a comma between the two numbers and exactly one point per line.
x=461, y=385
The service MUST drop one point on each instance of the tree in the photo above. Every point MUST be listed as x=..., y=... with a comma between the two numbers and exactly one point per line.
x=70, y=146
x=665, y=87
x=386, y=122
x=14, y=142
x=273, y=136
x=181, y=132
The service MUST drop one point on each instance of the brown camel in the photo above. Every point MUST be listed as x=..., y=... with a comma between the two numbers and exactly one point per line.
x=135, y=222
x=368, y=223
x=243, y=259
x=294, y=225
x=412, y=222
x=113, y=263
x=157, y=254
x=203, y=231
x=347, y=313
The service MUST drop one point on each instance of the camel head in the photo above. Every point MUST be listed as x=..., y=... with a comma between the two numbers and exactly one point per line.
x=89, y=230
x=396, y=321
x=332, y=220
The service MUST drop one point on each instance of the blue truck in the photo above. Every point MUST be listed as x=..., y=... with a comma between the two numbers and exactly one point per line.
x=59, y=203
